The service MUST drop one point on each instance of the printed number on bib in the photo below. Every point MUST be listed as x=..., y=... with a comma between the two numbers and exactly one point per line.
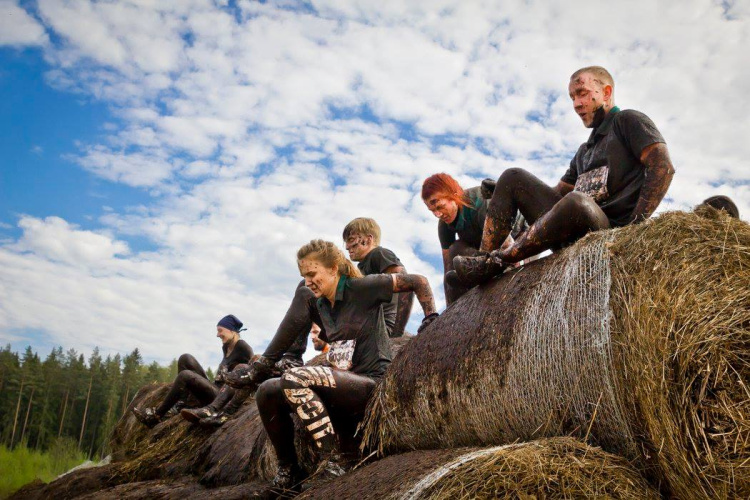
x=594, y=183
x=341, y=353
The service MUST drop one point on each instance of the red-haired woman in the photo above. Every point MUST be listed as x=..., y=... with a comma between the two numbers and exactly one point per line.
x=461, y=213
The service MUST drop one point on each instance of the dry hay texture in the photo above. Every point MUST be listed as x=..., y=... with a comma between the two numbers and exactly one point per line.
x=550, y=468
x=636, y=339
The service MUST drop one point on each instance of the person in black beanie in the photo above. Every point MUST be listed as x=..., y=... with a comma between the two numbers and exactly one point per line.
x=192, y=379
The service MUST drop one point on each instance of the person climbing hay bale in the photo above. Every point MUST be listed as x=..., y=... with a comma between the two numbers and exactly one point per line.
x=636, y=339
x=548, y=468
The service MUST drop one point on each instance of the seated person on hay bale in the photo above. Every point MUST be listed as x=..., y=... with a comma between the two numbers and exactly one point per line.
x=192, y=380
x=721, y=202
x=362, y=241
x=276, y=360
x=618, y=177
x=462, y=213
x=349, y=307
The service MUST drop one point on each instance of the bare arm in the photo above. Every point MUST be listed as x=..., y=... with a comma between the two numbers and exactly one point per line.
x=659, y=173
x=403, y=307
x=420, y=286
x=563, y=188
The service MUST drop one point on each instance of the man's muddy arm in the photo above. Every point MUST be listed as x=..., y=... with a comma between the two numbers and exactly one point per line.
x=659, y=173
x=403, y=305
x=420, y=286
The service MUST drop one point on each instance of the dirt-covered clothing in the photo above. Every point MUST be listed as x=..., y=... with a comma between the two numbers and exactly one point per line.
x=190, y=380
x=608, y=168
x=242, y=353
x=323, y=398
x=469, y=222
x=291, y=335
x=354, y=325
x=376, y=262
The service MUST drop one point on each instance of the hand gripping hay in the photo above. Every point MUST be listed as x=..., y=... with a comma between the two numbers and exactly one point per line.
x=636, y=339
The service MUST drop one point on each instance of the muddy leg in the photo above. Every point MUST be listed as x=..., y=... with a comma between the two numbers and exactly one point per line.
x=454, y=289
x=516, y=190
x=570, y=219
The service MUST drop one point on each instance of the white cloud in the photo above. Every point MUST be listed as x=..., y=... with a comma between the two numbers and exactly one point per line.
x=18, y=28
x=256, y=130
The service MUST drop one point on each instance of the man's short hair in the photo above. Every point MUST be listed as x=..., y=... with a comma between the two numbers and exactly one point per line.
x=601, y=75
x=721, y=202
x=364, y=226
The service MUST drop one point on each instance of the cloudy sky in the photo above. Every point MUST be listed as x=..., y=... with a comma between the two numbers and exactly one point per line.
x=162, y=161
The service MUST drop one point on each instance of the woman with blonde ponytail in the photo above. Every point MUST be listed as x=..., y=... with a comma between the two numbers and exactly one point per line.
x=349, y=307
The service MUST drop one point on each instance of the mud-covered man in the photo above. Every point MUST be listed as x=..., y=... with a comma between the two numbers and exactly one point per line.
x=362, y=241
x=618, y=177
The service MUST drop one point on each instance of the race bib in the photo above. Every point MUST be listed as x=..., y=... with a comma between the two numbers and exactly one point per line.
x=594, y=183
x=341, y=353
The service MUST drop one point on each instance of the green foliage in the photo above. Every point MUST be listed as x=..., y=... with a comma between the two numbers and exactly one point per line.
x=22, y=464
x=66, y=396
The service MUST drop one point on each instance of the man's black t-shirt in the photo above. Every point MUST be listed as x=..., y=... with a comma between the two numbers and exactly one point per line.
x=242, y=353
x=469, y=222
x=354, y=326
x=608, y=168
x=376, y=262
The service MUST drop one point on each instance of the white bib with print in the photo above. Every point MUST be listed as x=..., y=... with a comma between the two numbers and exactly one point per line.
x=340, y=354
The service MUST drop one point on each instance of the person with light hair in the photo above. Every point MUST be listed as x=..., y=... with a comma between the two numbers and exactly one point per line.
x=349, y=307
x=617, y=177
x=362, y=241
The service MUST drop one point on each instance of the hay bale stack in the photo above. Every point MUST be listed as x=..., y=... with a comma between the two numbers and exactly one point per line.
x=636, y=339
x=550, y=468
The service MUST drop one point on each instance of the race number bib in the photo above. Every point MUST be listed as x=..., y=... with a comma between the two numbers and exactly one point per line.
x=594, y=183
x=341, y=353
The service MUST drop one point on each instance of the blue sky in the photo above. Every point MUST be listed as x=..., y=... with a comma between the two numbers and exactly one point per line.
x=161, y=162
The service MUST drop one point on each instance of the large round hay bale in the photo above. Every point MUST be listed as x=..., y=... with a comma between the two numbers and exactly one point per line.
x=636, y=339
x=550, y=468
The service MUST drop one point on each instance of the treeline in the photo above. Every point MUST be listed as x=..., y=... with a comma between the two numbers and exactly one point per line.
x=68, y=396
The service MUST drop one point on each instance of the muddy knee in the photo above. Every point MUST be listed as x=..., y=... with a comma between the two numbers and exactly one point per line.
x=579, y=206
x=269, y=394
x=186, y=362
x=512, y=175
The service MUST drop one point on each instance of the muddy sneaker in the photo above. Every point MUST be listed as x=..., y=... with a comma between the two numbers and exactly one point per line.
x=147, y=416
x=286, y=484
x=215, y=420
x=335, y=465
x=194, y=415
x=178, y=406
x=474, y=271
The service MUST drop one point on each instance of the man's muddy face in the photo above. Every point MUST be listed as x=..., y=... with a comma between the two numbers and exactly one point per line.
x=318, y=278
x=443, y=208
x=358, y=246
x=587, y=96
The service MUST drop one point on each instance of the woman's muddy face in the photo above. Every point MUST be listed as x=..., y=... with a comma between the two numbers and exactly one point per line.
x=224, y=334
x=318, y=278
x=443, y=208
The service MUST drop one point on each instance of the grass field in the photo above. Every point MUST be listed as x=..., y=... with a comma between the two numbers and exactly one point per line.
x=22, y=465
